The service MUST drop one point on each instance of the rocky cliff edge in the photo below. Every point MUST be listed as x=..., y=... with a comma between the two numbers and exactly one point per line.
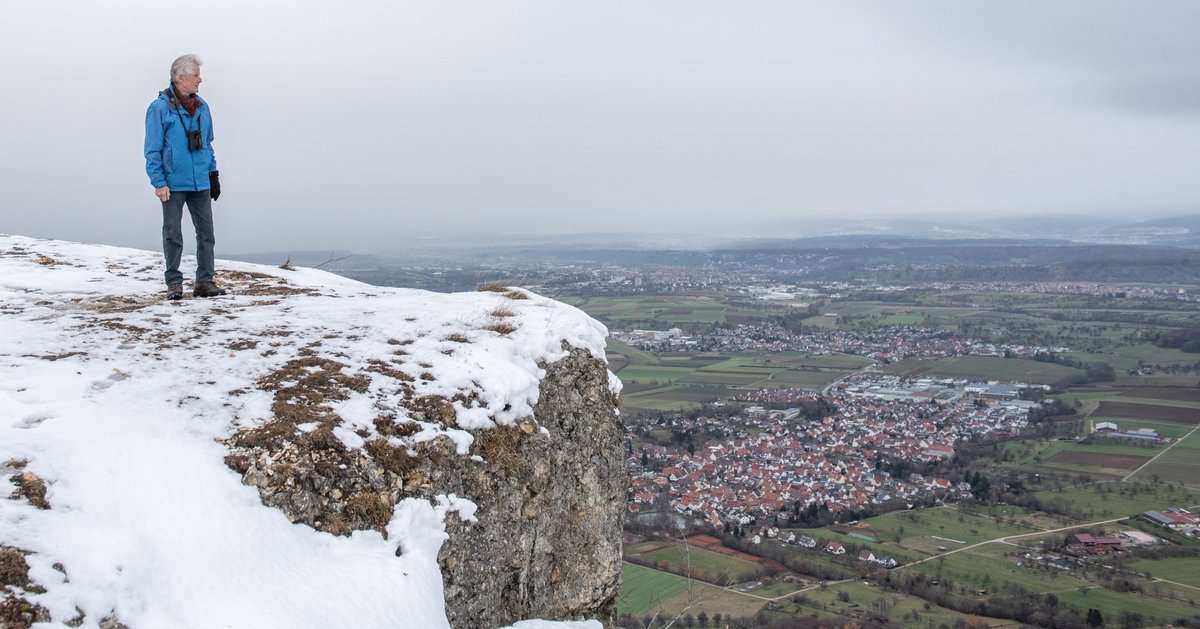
x=306, y=452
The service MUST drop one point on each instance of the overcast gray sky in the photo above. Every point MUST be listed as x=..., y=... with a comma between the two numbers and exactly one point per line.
x=357, y=125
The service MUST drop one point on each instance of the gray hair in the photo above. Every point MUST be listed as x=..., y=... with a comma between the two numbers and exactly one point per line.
x=187, y=64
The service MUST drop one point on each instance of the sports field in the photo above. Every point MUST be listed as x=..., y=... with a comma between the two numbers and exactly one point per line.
x=643, y=589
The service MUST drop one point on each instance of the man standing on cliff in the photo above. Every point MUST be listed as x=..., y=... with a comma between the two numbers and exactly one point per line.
x=183, y=170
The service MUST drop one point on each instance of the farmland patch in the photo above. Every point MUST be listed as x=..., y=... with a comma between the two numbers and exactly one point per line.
x=1172, y=414
x=1099, y=459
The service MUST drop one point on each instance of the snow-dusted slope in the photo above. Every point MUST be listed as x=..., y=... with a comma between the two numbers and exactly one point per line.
x=119, y=402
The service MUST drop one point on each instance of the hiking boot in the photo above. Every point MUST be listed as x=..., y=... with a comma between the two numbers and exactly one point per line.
x=207, y=289
x=175, y=292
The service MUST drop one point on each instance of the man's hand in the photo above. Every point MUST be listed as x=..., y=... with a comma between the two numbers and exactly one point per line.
x=214, y=184
x=163, y=193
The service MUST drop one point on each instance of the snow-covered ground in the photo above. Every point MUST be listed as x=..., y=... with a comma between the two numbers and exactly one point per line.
x=119, y=400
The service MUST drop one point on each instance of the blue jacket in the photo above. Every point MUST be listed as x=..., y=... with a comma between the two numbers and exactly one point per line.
x=168, y=160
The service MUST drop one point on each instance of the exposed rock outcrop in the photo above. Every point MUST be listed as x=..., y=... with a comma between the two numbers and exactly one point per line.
x=550, y=494
x=547, y=544
x=462, y=450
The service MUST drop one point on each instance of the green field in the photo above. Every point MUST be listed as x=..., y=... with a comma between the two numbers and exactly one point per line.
x=1154, y=611
x=643, y=589
x=712, y=600
x=702, y=564
x=991, y=566
x=988, y=567
x=1113, y=446
x=1177, y=465
x=920, y=529
x=1184, y=570
x=907, y=611
x=1122, y=499
x=683, y=382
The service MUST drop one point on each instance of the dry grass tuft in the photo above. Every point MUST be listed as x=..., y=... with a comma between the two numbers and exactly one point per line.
x=502, y=312
x=375, y=365
x=399, y=342
x=501, y=446
x=369, y=506
x=272, y=433
x=14, y=570
x=497, y=287
x=458, y=338
x=239, y=463
x=260, y=284
x=434, y=408
x=303, y=387
x=313, y=379
x=31, y=488
x=394, y=459
x=287, y=265
x=321, y=439
x=335, y=524
x=492, y=287
x=387, y=426
x=501, y=327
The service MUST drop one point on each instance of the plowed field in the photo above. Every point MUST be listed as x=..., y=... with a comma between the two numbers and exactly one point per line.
x=1171, y=414
x=1157, y=393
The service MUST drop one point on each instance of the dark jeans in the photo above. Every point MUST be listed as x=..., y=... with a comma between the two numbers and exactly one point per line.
x=199, y=205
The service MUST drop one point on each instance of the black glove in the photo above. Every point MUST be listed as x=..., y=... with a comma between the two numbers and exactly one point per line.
x=214, y=184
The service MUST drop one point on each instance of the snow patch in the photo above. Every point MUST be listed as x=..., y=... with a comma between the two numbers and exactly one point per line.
x=120, y=401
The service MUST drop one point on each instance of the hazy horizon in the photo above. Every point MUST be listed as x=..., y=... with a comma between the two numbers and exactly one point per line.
x=363, y=126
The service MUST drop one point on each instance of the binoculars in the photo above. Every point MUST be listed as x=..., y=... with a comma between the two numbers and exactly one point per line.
x=195, y=142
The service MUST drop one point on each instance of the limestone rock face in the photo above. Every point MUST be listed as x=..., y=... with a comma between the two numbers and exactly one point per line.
x=547, y=544
x=550, y=492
